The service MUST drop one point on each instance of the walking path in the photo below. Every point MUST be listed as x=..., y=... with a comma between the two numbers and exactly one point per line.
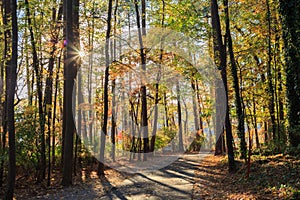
x=172, y=182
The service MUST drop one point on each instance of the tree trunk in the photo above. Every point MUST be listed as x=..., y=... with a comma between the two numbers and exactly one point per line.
x=144, y=118
x=70, y=70
x=54, y=111
x=199, y=106
x=195, y=146
x=236, y=86
x=5, y=7
x=219, y=61
x=105, y=94
x=181, y=148
x=77, y=57
x=220, y=57
x=266, y=138
x=195, y=106
x=11, y=80
x=143, y=88
x=219, y=126
x=270, y=77
x=49, y=90
x=28, y=75
x=166, y=110
x=255, y=122
x=42, y=164
x=113, y=103
x=113, y=121
x=80, y=118
x=156, y=100
x=291, y=34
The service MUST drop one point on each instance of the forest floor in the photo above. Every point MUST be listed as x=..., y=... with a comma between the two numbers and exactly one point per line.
x=193, y=176
x=270, y=177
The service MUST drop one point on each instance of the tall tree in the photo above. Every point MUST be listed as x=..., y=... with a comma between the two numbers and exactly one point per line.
x=70, y=71
x=156, y=98
x=220, y=58
x=236, y=85
x=105, y=91
x=141, y=33
x=7, y=37
x=56, y=17
x=77, y=58
x=290, y=11
x=143, y=88
x=113, y=86
x=42, y=164
x=11, y=80
x=271, y=102
x=54, y=108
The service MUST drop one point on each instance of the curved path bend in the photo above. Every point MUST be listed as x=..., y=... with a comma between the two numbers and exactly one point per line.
x=172, y=182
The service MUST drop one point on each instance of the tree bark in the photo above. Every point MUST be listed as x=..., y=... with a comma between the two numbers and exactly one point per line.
x=270, y=77
x=11, y=81
x=54, y=110
x=156, y=98
x=100, y=170
x=181, y=148
x=113, y=86
x=195, y=106
x=70, y=71
x=236, y=86
x=199, y=105
x=255, y=123
x=291, y=35
x=220, y=57
x=49, y=88
x=143, y=89
x=5, y=6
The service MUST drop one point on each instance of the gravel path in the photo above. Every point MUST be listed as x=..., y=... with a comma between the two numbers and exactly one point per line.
x=172, y=182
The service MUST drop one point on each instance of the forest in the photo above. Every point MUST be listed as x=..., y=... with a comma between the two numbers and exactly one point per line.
x=95, y=94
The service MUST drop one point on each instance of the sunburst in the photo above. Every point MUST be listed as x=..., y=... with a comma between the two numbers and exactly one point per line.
x=76, y=53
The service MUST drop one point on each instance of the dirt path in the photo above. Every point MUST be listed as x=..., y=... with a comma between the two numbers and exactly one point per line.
x=175, y=181
x=172, y=182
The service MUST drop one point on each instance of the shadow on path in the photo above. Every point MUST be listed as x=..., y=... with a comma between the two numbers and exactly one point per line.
x=172, y=182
